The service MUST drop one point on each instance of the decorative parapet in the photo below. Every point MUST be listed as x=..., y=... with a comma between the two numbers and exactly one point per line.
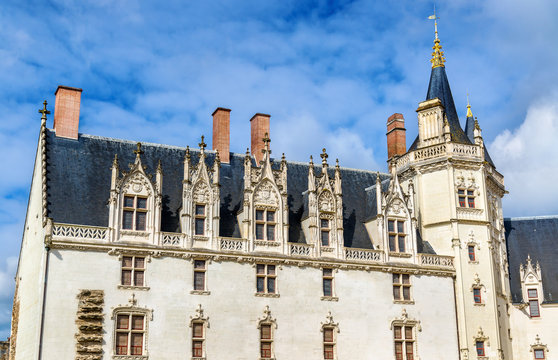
x=233, y=244
x=172, y=239
x=79, y=232
x=366, y=255
x=301, y=249
x=439, y=151
x=470, y=213
x=90, y=325
x=436, y=260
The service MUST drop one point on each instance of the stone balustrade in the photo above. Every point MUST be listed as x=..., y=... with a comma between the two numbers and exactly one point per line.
x=436, y=260
x=438, y=151
x=366, y=255
x=79, y=232
x=301, y=249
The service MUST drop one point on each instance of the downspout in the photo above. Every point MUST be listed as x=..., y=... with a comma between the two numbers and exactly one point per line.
x=48, y=241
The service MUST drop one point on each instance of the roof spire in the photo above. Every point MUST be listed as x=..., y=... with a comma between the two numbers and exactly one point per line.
x=438, y=59
x=469, y=112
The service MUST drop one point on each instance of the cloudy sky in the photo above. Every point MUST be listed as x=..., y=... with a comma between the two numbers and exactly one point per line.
x=329, y=73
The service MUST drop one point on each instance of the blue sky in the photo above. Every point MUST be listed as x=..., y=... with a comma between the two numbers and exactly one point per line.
x=332, y=70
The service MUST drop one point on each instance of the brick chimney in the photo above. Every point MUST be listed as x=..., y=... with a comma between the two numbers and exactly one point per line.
x=222, y=133
x=66, y=111
x=259, y=125
x=396, y=138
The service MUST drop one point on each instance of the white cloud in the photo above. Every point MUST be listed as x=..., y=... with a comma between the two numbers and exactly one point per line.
x=7, y=273
x=528, y=159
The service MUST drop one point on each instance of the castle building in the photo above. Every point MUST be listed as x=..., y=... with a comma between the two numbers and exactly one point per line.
x=149, y=251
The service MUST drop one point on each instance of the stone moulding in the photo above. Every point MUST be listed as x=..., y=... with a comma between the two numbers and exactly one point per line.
x=436, y=265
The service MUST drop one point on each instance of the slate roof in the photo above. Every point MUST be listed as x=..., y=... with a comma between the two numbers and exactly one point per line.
x=439, y=88
x=537, y=237
x=79, y=172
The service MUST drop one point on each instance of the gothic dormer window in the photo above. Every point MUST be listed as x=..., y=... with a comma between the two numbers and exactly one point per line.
x=265, y=213
x=200, y=202
x=325, y=209
x=532, y=289
x=399, y=223
x=135, y=201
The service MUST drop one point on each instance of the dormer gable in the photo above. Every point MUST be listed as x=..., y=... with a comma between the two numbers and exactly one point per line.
x=135, y=201
x=199, y=216
x=265, y=214
x=325, y=209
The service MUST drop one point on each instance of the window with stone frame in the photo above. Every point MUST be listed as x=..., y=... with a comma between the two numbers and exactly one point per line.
x=327, y=282
x=134, y=213
x=479, y=346
x=325, y=229
x=266, y=278
x=396, y=235
x=200, y=268
x=130, y=334
x=404, y=339
x=471, y=252
x=198, y=339
x=466, y=198
x=200, y=218
x=265, y=224
x=401, y=287
x=329, y=342
x=477, y=298
x=533, y=299
x=133, y=271
x=266, y=341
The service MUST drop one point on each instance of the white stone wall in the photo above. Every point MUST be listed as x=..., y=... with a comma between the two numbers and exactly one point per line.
x=525, y=329
x=364, y=310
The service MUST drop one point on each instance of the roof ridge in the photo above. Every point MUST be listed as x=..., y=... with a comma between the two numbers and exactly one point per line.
x=541, y=217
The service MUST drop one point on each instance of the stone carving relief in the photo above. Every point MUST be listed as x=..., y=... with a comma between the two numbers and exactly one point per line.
x=325, y=202
x=201, y=193
x=266, y=194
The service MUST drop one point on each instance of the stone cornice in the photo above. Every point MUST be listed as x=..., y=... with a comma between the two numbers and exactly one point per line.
x=218, y=256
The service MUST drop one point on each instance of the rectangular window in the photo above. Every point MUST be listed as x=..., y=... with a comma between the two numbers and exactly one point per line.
x=266, y=340
x=134, y=213
x=265, y=279
x=199, y=274
x=265, y=225
x=329, y=343
x=401, y=287
x=539, y=353
x=324, y=231
x=404, y=342
x=197, y=339
x=533, y=303
x=133, y=270
x=396, y=235
x=470, y=198
x=199, y=225
x=130, y=331
x=327, y=282
x=462, y=198
x=466, y=198
x=480, y=348
x=477, y=296
x=471, y=249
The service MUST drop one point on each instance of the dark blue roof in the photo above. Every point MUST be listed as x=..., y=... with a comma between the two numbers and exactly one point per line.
x=79, y=172
x=439, y=88
x=537, y=237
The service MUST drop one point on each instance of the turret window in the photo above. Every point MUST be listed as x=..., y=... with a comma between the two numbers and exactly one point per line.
x=477, y=296
x=466, y=198
x=134, y=214
x=265, y=225
x=480, y=348
x=397, y=236
x=471, y=251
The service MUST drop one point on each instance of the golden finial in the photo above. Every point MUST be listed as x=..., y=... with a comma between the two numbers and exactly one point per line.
x=469, y=112
x=324, y=157
x=138, y=150
x=438, y=59
x=44, y=111
x=202, y=144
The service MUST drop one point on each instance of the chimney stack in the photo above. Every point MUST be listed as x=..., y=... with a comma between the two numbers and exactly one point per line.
x=66, y=111
x=221, y=133
x=396, y=138
x=259, y=126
